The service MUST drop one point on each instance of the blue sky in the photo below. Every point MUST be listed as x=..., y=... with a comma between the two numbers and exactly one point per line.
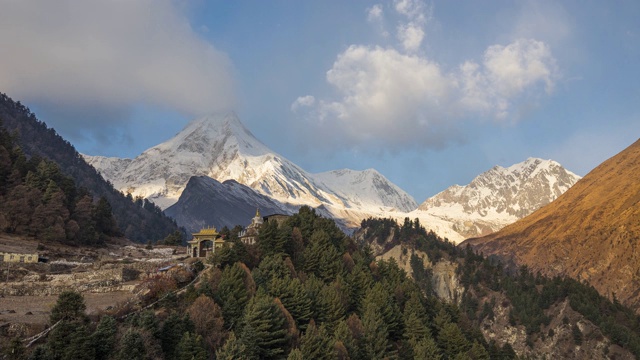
x=428, y=93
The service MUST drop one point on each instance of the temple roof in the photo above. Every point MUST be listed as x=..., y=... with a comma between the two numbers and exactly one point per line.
x=207, y=231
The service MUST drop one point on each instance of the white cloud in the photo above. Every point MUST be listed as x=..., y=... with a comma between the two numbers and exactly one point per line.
x=397, y=97
x=410, y=35
x=394, y=99
x=303, y=101
x=410, y=30
x=506, y=73
x=414, y=10
x=374, y=13
x=518, y=65
x=116, y=54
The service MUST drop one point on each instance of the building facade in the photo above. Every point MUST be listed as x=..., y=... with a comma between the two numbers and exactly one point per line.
x=204, y=242
x=249, y=235
x=18, y=258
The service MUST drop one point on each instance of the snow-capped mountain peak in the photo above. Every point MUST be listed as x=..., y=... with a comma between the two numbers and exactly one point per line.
x=501, y=195
x=221, y=147
x=216, y=129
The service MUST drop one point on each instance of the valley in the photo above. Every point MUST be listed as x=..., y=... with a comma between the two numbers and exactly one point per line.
x=319, y=180
x=398, y=263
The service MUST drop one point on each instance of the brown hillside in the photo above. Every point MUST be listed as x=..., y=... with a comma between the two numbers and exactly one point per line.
x=591, y=232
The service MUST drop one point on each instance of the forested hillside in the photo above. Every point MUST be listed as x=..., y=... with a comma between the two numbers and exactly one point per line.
x=37, y=200
x=529, y=300
x=140, y=220
x=307, y=291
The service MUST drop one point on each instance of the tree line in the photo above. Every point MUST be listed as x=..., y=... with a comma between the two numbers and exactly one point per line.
x=37, y=199
x=305, y=291
x=139, y=220
x=308, y=291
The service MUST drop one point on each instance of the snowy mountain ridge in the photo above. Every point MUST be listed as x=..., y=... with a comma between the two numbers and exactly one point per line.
x=500, y=196
x=220, y=147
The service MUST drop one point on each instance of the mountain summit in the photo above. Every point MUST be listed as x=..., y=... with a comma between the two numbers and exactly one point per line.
x=500, y=196
x=590, y=233
x=220, y=147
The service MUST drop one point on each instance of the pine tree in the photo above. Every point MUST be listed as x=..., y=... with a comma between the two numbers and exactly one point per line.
x=321, y=257
x=104, y=338
x=70, y=340
x=316, y=343
x=270, y=240
x=478, y=352
x=103, y=215
x=415, y=319
x=225, y=256
x=232, y=295
x=49, y=217
x=132, y=346
x=452, y=341
x=271, y=267
x=69, y=306
x=359, y=282
x=441, y=319
x=263, y=329
x=295, y=354
x=344, y=335
x=297, y=248
x=41, y=352
x=293, y=296
x=190, y=348
x=15, y=350
x=19, y=206
x=333, y=309
x=376, y=333
x=426, y=348
x=415, y=328
x=172, y=332
x=232, y=349
x=386, y=304
x=313, y=287
x=82, y=215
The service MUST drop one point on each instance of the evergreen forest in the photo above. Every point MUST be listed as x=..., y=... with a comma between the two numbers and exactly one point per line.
x=27, y=143
x=308, y=291
x=38, y=200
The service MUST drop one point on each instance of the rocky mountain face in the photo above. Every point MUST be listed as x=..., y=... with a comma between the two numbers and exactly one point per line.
x=206, y=202
x=590, y=233
x=498, y=197
x=221, y=148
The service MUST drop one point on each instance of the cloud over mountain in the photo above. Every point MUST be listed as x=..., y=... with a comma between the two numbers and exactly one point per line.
x=397, y=95
x=77, y=57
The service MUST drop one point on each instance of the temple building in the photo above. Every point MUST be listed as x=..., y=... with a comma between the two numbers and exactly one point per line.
x=249, y=235
x=204, y=242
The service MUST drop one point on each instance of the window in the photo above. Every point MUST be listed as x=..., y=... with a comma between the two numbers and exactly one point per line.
x=21, y=259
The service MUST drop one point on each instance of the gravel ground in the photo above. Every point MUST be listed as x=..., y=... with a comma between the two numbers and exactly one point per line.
x=15, y=309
